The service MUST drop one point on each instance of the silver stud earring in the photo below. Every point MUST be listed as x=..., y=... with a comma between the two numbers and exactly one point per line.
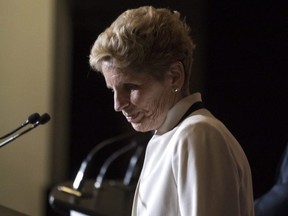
x=176, y=90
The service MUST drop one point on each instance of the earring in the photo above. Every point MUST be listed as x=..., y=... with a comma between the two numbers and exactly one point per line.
x=176, y=90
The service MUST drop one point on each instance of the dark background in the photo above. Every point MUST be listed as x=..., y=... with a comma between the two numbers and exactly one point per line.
x=241, y=61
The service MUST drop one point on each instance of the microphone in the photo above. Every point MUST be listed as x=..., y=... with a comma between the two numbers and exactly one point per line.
x=76, y=189
x=44, y=119
x=35, y=119
x=32, y=119
x=127, y=142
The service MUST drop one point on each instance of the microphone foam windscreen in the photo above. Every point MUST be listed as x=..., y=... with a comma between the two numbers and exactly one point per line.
x=44, y=118
x=34, y=118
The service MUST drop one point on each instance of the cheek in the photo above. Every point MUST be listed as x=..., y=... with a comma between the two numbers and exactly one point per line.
x=156, y=104
x=144, y=100
x=162, y=104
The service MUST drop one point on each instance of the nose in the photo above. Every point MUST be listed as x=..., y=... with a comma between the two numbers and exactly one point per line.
x=121, y=100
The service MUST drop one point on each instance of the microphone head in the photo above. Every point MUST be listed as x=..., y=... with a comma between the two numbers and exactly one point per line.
x=44, y=118
x=33, y=118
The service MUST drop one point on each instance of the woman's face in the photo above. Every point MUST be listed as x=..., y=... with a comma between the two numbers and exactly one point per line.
x=142, y=99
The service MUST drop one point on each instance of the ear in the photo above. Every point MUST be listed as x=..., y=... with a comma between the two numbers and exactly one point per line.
x=176, y=75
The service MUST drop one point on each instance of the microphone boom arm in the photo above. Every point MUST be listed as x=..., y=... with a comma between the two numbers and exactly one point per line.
x=43, y=120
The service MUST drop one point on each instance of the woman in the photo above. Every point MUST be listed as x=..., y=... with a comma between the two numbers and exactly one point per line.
x=193, y=165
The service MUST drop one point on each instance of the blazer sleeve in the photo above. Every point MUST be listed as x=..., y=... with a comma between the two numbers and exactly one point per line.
x=206, y=172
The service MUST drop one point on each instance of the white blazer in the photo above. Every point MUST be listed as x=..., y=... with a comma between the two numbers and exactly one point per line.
x=194, y=169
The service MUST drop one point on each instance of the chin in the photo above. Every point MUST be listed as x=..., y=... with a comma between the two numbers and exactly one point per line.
x=139, y=127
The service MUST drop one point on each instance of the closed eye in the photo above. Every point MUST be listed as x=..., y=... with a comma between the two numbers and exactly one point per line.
x=131, y=87
x=128, y=87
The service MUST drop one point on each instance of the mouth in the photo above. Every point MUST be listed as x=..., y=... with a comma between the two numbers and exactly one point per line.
x=132, y=118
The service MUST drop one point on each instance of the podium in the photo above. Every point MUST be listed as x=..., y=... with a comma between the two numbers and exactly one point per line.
x=103, y=196
x=111, y=199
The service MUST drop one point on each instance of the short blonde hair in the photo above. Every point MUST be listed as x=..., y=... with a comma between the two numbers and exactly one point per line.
x=146, y=39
